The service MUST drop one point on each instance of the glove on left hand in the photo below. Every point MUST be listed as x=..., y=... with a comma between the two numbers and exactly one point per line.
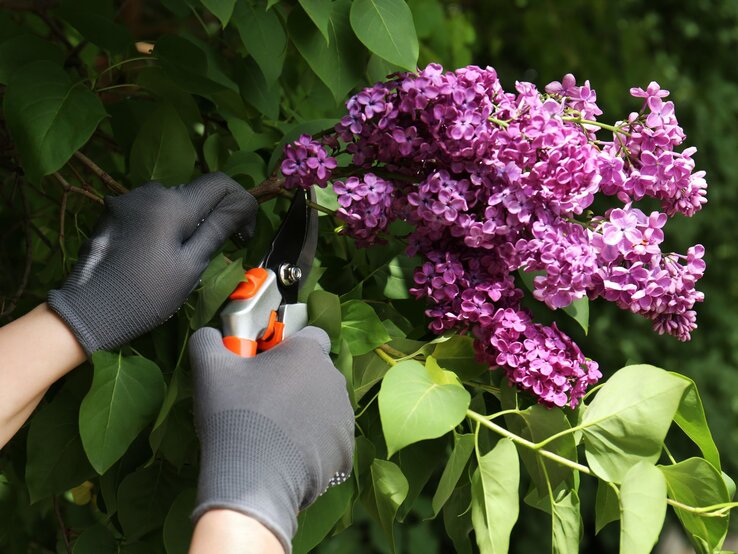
x=146, y=256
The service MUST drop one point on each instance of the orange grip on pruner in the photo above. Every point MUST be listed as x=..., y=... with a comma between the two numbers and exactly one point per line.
x=242, y=347
x=254, y=278
x=273, y=334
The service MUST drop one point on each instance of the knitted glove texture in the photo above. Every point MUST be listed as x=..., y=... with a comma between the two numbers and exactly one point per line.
x=146, y=256
x=274, y=430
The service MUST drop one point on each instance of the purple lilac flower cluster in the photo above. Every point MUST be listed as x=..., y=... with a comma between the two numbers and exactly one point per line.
x=306, y=163
x=498, y=182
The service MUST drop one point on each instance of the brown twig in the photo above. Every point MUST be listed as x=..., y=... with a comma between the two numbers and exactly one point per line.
x=62, y=222
x=268, y=189
x=70, y=188
x=62, y=526
x=7, y=310
x=107, y=180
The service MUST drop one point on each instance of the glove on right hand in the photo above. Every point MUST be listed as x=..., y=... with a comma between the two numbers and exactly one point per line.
x=274, y=429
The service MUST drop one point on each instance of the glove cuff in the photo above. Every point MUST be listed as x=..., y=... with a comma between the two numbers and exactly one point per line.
x=249, y=465
x=57, y=301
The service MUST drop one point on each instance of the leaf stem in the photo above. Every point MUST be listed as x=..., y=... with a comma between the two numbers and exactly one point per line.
x=502, y=413
x=716, y=510
x=361, y=413
x=113, y=87
x=123, y=62
x=386, y=357
x=558, y=435
x=596, y=124
x=499, y=122
x=480, y=419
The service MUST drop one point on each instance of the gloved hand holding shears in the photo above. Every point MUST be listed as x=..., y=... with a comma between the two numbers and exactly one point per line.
x=143, y=260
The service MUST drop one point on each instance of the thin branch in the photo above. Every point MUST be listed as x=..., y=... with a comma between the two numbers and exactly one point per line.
x=70, y=188
x=268, y=189
x=480, y=419
x=109, y=182
x=6, y=311
x=62, y=222
x=62, y=525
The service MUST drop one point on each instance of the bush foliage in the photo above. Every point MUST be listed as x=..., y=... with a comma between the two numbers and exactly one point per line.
x=99, y=97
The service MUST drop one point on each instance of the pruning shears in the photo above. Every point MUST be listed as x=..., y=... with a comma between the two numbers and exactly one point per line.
x=263, y=310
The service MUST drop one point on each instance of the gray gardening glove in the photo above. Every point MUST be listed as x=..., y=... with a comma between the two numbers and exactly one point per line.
x=275, y=430
x=146, y=256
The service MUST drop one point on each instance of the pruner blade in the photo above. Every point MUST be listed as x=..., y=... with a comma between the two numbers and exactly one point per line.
x=292, y=251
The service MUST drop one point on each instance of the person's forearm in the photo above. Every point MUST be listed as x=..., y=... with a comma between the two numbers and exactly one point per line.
x=229, y=532
x=35, y=350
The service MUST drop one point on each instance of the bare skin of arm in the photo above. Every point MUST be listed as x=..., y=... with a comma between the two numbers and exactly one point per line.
x=229, y=532
x=35, y=351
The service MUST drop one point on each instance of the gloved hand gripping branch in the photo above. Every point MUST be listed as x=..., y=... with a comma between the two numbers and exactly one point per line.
x=146, y=256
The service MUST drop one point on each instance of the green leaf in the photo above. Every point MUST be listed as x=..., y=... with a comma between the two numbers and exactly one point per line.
x=361, y=327
x=263, y=36
x=578, y=310
x=320, y=12
x=695, y=482
x=178, y=525
x=314, y=524
x=49, y=116
x=95, y=540
x=416, y=403
x=246, y=163
x=222, y=9
x=495, y=503
x=457, y=519
x=144, y=498
x=94, y=19
x=214, y=152
x=324, y=311
x=21, y=50
x=338, y=64
x=162, y=150
x=386, y=27
x=155, y=80
x=378, y=69
x=369, y=369
x=457, y=354
x=418, y=462
x=191, y=66
x=390, y=489
x=566, y=524
x=690, y=417
x=56, y=460
x=125, y=396
x=463, y=447
x=607, y=505
x=397, y=278
x=642, y=508
x=246, y=138
x=170, y=398
x=255, y=89
x=219, y=280
x=628, y=419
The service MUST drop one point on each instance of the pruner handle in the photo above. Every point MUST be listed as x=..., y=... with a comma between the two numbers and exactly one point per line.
x=255, y=319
